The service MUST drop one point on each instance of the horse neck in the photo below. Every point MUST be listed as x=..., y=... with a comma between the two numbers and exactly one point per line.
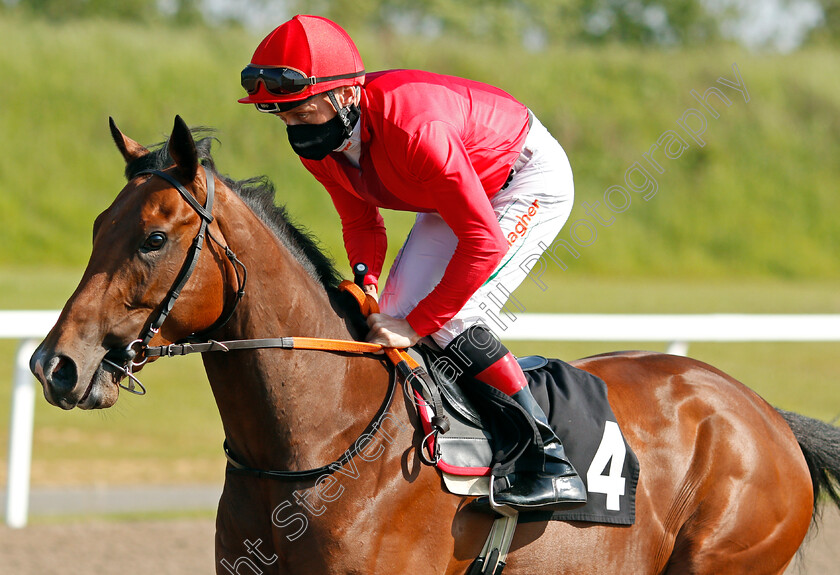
x=286, y=409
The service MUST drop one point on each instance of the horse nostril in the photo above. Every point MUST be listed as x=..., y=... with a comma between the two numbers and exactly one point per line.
x=62, y=375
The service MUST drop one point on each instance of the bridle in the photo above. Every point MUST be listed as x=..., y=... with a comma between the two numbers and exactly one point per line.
x=140, y=345
x=409, y=370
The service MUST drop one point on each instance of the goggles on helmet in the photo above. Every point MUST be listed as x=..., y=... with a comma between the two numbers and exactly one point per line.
x=282, y=81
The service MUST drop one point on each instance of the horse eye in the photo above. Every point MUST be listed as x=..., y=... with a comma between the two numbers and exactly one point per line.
x=155, y=241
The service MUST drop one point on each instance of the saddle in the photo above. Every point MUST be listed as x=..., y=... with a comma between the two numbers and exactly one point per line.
x=465, y=445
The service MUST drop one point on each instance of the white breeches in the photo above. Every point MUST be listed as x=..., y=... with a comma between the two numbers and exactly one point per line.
x=531, y=211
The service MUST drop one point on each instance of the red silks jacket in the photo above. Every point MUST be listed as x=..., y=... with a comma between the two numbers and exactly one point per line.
x=430, y=143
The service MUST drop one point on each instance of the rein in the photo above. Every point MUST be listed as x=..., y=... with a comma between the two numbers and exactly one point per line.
x=404, y=364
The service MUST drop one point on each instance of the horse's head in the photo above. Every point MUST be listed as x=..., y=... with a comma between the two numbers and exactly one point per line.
x=142, y=246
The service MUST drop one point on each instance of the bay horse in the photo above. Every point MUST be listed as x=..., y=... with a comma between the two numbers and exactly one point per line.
x=726, y=485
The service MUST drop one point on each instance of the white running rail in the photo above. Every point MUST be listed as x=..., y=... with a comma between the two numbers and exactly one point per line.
x=28, y=327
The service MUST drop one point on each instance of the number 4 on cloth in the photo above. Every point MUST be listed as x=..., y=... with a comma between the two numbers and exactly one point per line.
x=612, y=452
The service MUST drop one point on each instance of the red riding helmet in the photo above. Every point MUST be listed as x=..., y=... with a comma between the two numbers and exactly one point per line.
x=305, y=56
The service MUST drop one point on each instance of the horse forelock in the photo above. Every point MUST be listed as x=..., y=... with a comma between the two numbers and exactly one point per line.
x=158, y=157
x=258, y=193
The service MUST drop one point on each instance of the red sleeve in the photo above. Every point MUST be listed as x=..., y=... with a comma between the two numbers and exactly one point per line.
x=362, y=226
x=437, y=161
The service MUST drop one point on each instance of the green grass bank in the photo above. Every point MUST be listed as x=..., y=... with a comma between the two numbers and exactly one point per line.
x=757, y=198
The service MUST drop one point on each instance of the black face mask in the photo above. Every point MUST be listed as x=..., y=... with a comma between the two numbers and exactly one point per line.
x=316, y=141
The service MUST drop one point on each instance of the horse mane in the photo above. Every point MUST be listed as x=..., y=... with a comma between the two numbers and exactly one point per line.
x=258, y=193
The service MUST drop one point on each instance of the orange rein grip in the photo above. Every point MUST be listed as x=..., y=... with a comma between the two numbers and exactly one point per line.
x=405, y=357
x=394, y=354
x=369, y=305
x=336, y=345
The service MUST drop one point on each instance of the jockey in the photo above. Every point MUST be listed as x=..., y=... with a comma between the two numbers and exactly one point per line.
x=490, y=186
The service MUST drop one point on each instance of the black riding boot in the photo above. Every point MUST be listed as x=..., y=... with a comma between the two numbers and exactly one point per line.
x=550, y=482
x=557, y=486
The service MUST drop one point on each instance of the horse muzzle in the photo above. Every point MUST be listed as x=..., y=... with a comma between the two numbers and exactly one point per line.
x=67, y=383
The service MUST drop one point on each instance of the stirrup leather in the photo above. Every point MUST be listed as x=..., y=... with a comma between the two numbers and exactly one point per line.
x=493, y=556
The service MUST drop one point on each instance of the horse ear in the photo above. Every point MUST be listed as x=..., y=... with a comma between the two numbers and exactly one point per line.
x=182, y=149
x=130, y=149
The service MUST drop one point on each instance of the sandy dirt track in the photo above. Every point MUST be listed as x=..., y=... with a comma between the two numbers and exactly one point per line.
x=185, y=547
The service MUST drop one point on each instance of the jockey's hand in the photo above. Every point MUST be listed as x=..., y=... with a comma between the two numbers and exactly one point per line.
x=390, y=331
x=370, y=289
